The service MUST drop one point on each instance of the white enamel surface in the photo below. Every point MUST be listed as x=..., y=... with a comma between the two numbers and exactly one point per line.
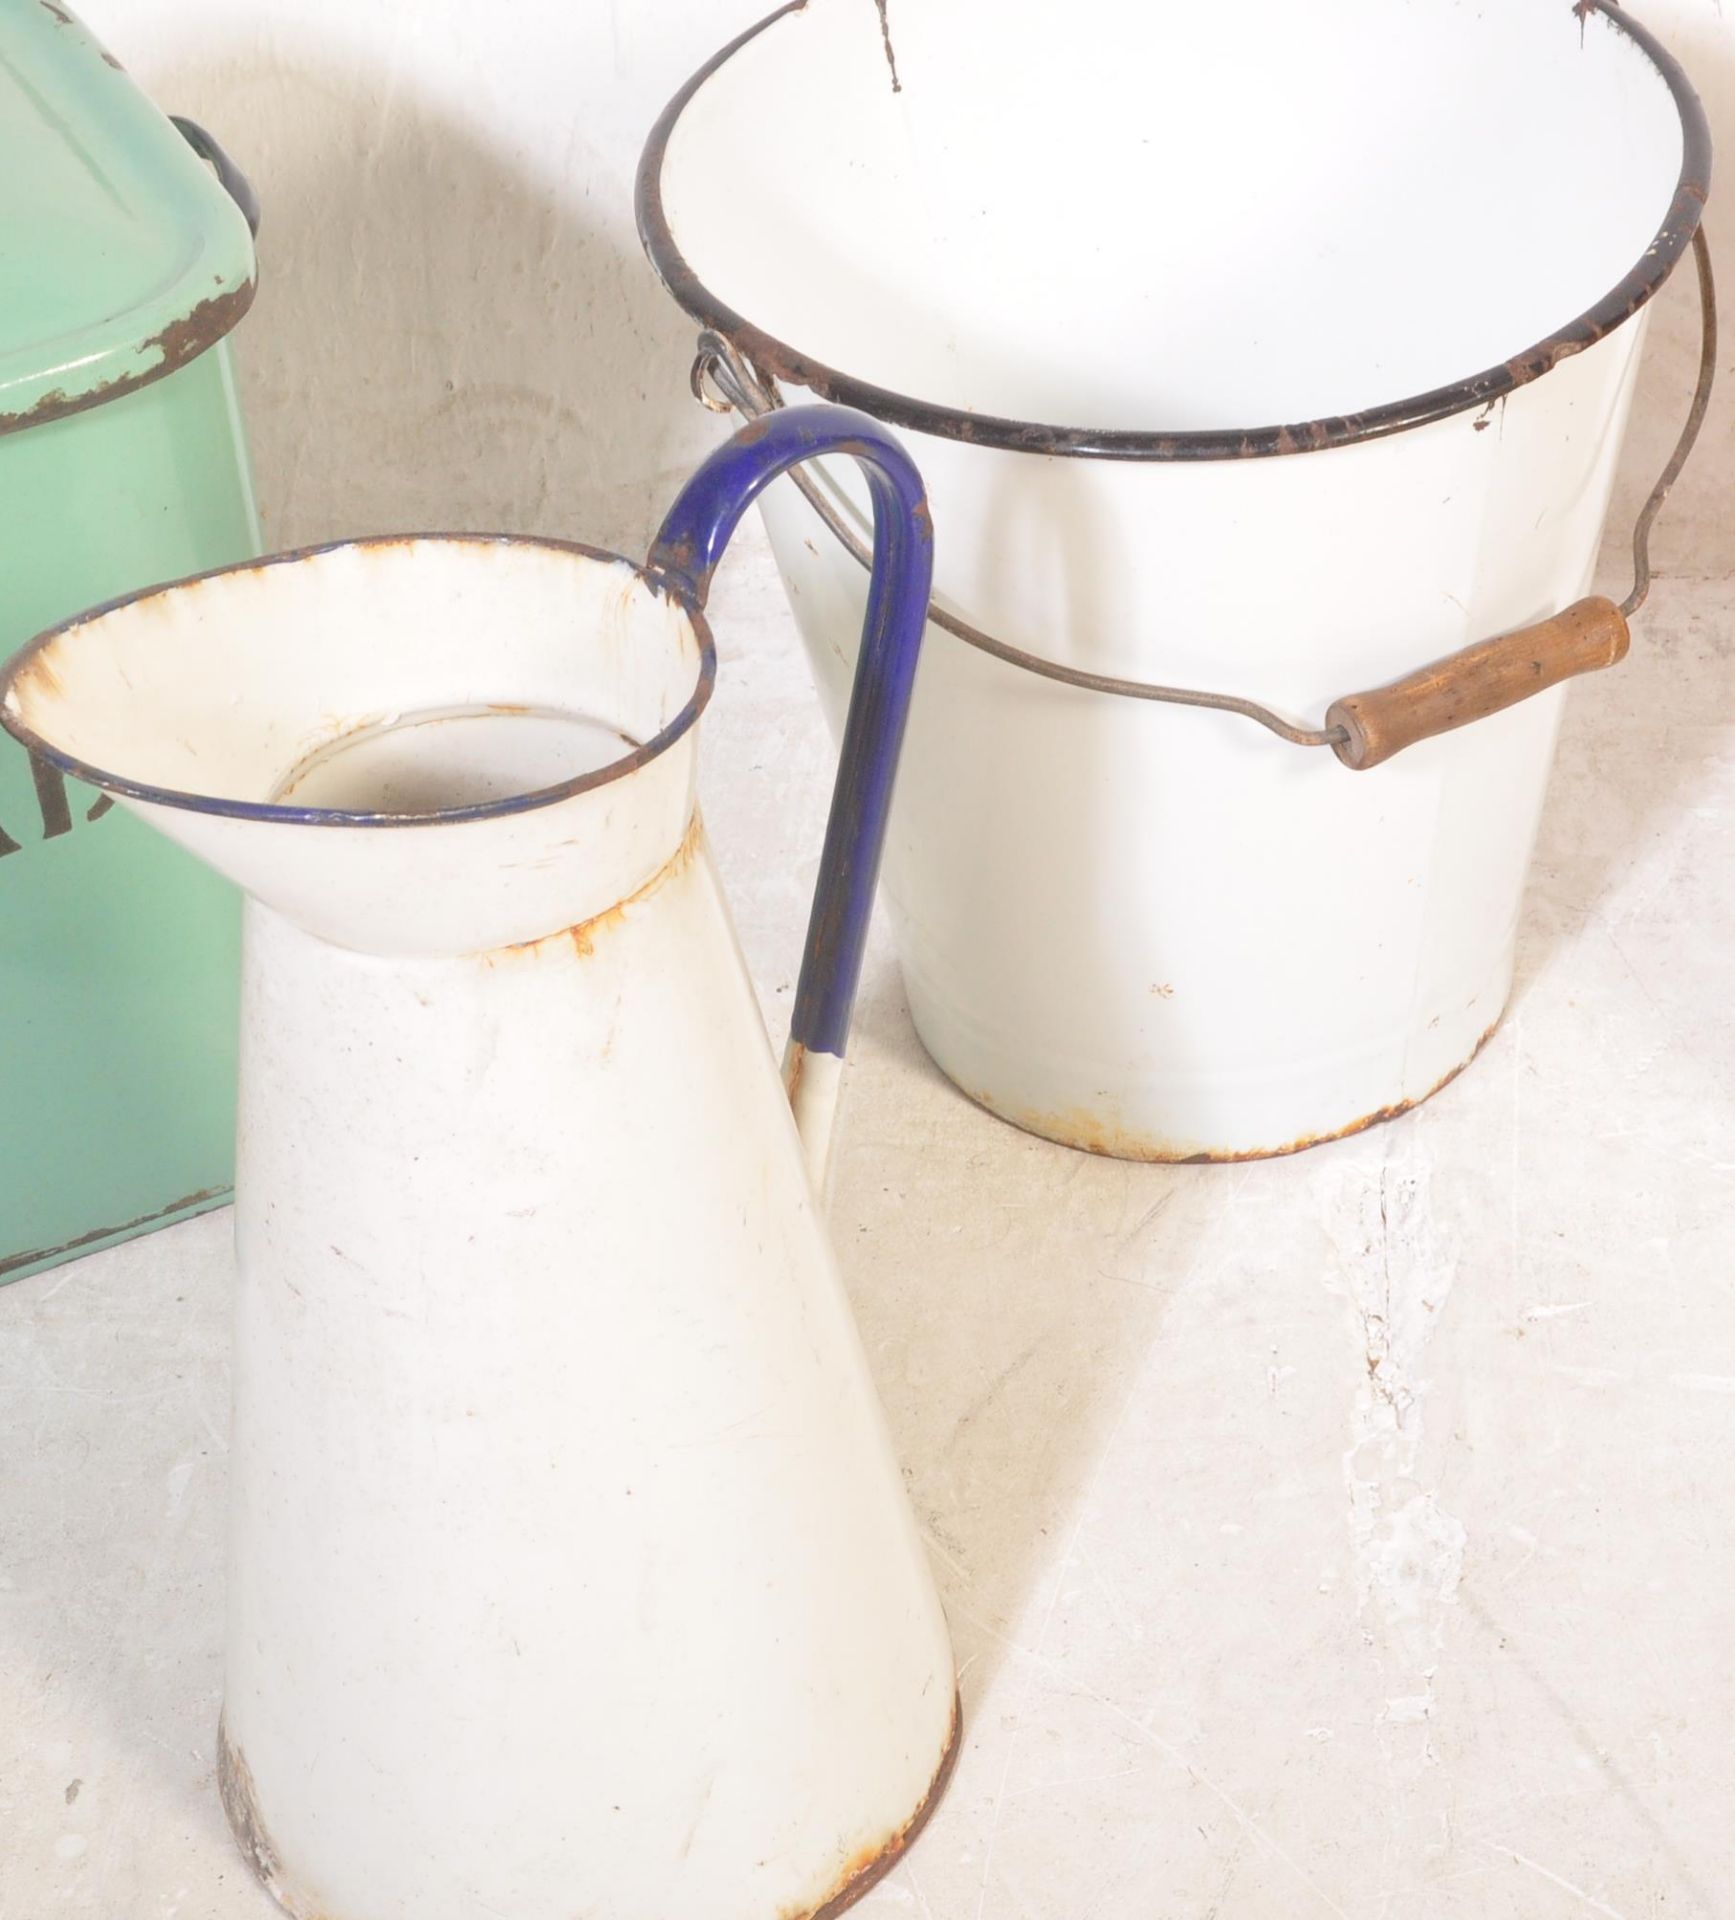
x=453, y=673
x=1150, y=930
x=1113, y=214
x=423, y=763
x=570, y=1570
x=1163, y=932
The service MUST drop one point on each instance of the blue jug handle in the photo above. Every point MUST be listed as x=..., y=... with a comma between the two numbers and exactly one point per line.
x=684, y=555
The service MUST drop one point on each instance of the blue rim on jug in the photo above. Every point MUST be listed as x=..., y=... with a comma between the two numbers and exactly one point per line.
x=13, y=670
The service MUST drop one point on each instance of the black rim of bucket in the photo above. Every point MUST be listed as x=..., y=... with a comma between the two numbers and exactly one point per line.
x=783, y=362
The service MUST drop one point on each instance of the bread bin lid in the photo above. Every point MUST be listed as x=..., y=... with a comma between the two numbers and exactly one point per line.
x=121, y=255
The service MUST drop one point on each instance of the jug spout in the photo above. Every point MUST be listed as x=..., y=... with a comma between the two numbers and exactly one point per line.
x=494, y=738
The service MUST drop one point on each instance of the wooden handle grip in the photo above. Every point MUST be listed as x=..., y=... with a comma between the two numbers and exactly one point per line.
x=1477, y=681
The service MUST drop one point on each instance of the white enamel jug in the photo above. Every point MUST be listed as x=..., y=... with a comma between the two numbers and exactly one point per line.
x=571, y=1571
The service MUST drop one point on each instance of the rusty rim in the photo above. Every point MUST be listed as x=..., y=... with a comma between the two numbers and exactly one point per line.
x=868, y=1876
x=1132, y=1153
x=182, y=341
x=12, y=670
x=240, y=1807
x=787, y=363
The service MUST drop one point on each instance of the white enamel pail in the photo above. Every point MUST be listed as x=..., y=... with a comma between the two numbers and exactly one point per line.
x=1350, y=299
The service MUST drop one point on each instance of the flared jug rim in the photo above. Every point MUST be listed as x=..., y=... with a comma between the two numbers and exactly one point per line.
x=782, y=361
x=14, y=669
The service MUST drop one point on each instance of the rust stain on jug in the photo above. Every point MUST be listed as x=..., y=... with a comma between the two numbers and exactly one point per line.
x=583, y=936
x=871, y=1864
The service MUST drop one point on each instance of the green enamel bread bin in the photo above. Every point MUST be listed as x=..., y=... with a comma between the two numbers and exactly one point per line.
x=125, y=258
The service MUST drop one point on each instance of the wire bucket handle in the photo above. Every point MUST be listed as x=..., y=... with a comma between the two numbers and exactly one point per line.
x=1362, y=729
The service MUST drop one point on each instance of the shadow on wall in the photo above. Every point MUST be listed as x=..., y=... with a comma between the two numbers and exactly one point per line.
x=443, y=339
x=446, y=338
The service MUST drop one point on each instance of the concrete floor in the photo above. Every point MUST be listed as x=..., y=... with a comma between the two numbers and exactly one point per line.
x=1345, y=1535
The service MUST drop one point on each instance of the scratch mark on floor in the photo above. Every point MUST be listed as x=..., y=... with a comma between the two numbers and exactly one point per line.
x=1536, y=1866
x=1053, y=1670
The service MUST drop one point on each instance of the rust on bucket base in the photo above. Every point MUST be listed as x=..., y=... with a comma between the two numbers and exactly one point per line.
x=1088, y=1133
x=241, y=1807
x=861, y=1872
